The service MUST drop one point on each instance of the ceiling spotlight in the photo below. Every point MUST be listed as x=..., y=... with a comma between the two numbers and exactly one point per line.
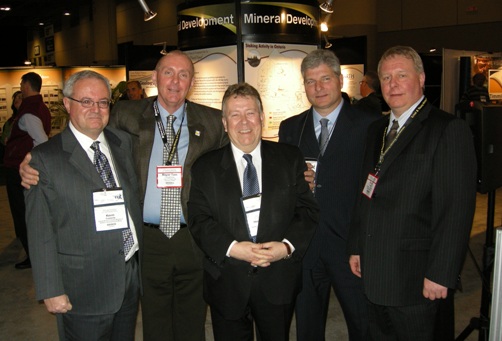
x=327, y=6
x=328, y=44
x=5, y=8
x=164, y=45
x=433, y=49
x=27, y=62
x=67, y=13
x=324, y=27
x=149, y=14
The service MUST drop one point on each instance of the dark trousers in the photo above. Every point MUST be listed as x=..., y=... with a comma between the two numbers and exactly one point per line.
x=15, y=193
x=406, y=323
x=120, y=326
x=272, y=321
x=172, y=304
x=331, y=270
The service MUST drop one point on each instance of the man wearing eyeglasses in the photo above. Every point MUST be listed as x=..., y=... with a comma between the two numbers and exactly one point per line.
x=84, y=220
x=30, y=128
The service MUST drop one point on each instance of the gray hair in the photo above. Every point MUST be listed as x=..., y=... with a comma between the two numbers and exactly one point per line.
x=86, y=74
x=318, y=57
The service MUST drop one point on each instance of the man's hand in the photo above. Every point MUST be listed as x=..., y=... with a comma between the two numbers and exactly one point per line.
x=29, y=176
x=58, y=305
x=433, y=290
x=355, y=265
x=310, y=175
x=269, y=252
x=246, y=251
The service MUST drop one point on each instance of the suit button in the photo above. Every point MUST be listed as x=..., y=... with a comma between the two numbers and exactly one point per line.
x=319, y=186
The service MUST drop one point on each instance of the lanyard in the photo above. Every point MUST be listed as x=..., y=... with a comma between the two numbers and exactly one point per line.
x=383, y=150
x=163, y=134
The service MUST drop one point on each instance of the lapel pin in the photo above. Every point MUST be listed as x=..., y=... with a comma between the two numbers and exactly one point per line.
x=197, y=133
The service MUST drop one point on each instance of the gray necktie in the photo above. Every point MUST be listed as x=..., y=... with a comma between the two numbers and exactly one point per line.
x=324, y=136
x=170, y=203
x=392, y=133
x=105, y=172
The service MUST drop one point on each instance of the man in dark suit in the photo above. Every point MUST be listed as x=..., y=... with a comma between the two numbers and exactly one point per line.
x=326, y=263
x=85, y=229
x=172, y=304
x=411, y=228
x=253, y=237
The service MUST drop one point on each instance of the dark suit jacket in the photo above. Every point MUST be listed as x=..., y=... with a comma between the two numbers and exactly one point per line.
x=137, y=118
x=371, y=103
x=417, y=224
x=337, y=173
x=288, y=210
x=67, y=254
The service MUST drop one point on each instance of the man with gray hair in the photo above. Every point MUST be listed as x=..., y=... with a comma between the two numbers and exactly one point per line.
x=331, y=136
x=84, y=220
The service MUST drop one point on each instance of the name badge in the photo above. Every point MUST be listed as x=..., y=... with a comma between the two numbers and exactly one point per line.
x=110, y=212
x=251, y=206
x=312, y=161
x=369, y=186
x=169, y=176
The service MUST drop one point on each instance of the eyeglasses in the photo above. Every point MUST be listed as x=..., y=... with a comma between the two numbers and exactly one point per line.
x=87, y=103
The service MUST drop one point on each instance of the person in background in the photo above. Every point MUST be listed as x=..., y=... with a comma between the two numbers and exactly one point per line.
x=17, y=99
x=134, y=90
x=371, y=100
x=84, y=220
x=337, y=155
x=253, y=226
x=411, y=227
x=30, y=128
x=477, y=91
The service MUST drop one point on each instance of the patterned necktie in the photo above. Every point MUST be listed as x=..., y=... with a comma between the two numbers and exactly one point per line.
x=324, y=136
x=250, y=184
x=392, y=133
x=105, y=172
x=170, y=204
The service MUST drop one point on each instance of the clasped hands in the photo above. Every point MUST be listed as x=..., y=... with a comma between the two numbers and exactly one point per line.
x=262, y=254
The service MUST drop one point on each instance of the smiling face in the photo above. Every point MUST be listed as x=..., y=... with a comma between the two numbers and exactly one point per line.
x=402, y=85
x=323, y=88
x=242, y=120
x=89, y=121
x=173, y=77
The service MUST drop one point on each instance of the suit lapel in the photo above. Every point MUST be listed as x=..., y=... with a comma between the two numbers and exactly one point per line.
x=78, y=158
x=146, y=136
x=308, y=140
x=197, y=132
x=118, y=154
x=230, y=185
x=343, y=125
x=405, y=138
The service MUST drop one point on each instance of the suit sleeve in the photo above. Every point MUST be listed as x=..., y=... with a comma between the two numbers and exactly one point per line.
x=306, y=213
x=42, y=236
x=453, y=203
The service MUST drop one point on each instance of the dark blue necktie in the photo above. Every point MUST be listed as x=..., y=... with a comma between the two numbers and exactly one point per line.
x=250, y=184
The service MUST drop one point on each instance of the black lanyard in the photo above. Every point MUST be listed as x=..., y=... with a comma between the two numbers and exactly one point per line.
x=163, y=134
x=383, y=150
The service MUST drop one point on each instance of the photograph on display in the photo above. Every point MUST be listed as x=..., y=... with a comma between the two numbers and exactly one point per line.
x=215, y=70
x=274, y=70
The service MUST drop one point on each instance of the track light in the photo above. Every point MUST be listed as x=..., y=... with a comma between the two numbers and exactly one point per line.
x=164, y=45
x=328, y=44
x=327, y=6
x=149, y=14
